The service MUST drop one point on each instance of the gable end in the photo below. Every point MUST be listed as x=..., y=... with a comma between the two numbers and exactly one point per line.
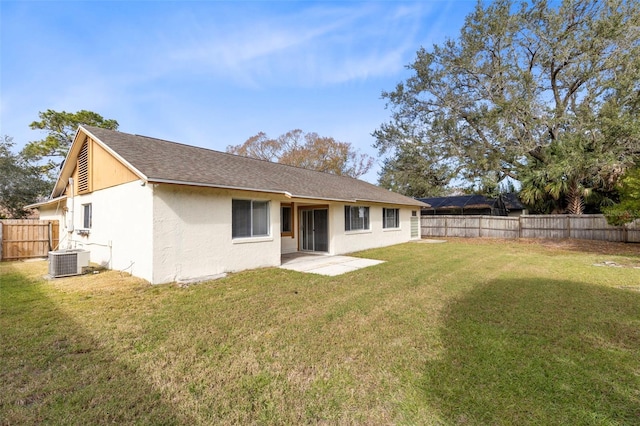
x=97, y=169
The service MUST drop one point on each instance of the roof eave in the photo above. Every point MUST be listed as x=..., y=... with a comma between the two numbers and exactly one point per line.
x=274, y=191
x=240, y=188
x=209, y=185
x=415, y=203
x=45, y=203
x=58, y=187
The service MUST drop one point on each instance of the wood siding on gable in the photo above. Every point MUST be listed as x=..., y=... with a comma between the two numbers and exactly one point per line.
x=108, y=171
x=103, y=170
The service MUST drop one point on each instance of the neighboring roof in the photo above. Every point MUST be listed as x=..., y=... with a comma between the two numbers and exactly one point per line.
x=511, y=202
x=459, y=202
x=161, y=161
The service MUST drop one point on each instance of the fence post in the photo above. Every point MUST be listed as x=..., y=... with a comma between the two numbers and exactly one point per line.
x=520, y=226
x=567, y=227
x=1, y=243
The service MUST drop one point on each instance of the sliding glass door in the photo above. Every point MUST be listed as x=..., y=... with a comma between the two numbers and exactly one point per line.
x=315, y=230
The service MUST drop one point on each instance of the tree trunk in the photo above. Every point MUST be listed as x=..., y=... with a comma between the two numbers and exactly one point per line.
x=575, y=203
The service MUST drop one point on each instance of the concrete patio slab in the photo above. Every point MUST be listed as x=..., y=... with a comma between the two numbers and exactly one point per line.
x=325, y=264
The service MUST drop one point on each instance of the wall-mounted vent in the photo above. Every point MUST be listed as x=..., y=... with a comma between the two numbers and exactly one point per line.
x=415, y=227
x=64, y=263
x=83, y=168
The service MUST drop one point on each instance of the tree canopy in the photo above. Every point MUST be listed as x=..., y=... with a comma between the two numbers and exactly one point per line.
x=61, y=127
x=20, y=182
x=306, y=150
x=628, y=209
x=546, y=94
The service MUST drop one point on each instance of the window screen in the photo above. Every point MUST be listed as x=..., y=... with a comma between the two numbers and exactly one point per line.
x=249, y=218
x=356, y=217
x=86, y=216
x=285, y=218
x=390, y=218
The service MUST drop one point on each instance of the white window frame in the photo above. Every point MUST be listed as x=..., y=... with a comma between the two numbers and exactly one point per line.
x=252, y=211
x=395, y=218
x=87, y=219
x=363, y=213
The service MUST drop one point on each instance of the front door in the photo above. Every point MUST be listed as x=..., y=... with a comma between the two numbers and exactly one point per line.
x=315, y=230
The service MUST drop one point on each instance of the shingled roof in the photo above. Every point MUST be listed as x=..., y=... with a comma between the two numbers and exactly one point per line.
x=163, y=161
x=503, y=202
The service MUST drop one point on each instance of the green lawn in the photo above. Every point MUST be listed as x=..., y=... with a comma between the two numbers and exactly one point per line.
x=466, y=332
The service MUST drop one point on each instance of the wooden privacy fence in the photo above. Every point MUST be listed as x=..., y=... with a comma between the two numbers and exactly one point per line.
x=27, y=238
x=584, y=227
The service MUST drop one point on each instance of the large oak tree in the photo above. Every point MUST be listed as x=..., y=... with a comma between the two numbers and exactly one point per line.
x=544, y=93
x=306, y=150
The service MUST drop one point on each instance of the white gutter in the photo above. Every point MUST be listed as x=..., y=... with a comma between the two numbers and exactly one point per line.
x=272, y=191
x=210, y=185
x=239, y=188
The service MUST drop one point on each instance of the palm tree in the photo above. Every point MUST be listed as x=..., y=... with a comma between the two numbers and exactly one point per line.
x=566, y=176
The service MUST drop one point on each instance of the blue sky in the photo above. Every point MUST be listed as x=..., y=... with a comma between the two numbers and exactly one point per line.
x=214, y=73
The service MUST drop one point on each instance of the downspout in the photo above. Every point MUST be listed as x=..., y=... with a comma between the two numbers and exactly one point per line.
x=70, y=213
x=50, y=236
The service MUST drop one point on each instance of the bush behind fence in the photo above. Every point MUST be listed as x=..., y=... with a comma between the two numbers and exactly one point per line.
x=584, y=227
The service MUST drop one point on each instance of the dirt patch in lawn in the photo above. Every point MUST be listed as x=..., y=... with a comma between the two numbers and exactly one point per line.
x=592, y=246
x=584, y=246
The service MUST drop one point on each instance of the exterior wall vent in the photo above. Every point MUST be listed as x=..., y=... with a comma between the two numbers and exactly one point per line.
x=84, y=185
x=415, y=227
x=64, y=263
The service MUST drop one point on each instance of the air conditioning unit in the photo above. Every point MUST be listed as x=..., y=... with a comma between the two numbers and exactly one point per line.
x=64, y=263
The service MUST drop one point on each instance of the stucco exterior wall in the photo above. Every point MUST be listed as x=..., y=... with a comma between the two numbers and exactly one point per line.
x=342, y=242
x=192, y=234
x=120, y=236
x=288, y=244
x=165, y=233
x=55, y=212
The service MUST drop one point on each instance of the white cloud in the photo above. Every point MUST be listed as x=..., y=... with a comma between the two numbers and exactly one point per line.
x=319, y=45
x=213, y=72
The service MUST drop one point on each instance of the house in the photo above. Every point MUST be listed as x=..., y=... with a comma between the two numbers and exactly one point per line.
x=165, y=211
x=503, y=205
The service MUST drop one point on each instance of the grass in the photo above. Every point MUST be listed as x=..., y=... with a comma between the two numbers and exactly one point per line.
x=468, y=332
